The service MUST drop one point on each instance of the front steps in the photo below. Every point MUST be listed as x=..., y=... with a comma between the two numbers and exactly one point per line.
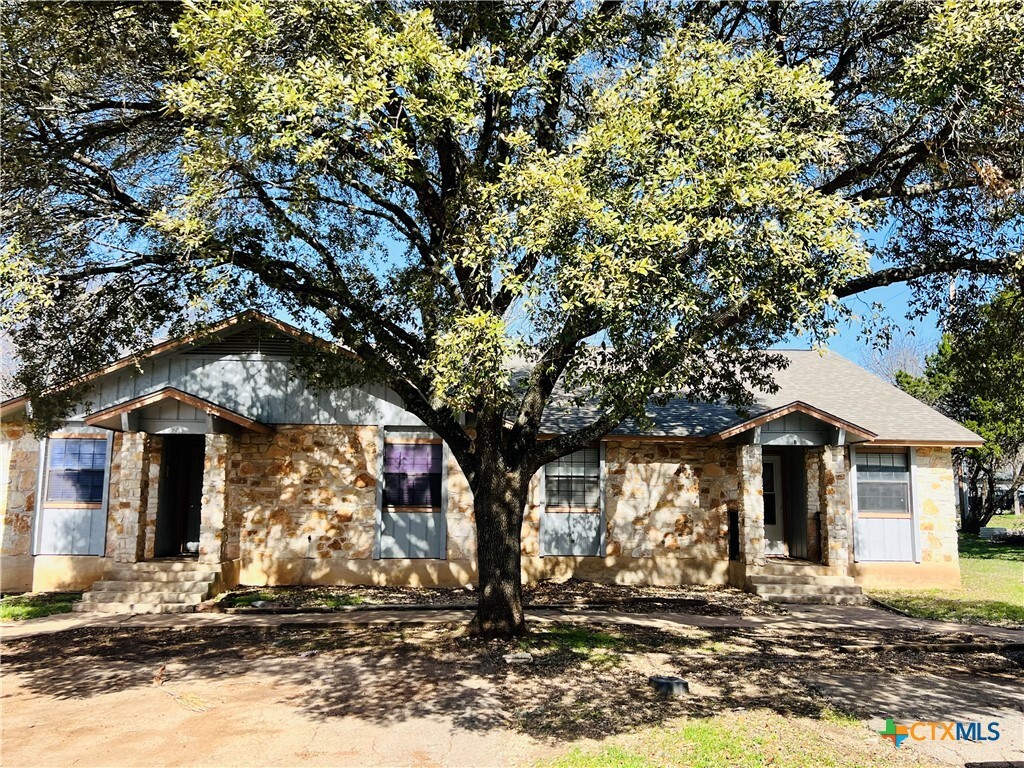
x=798, y=581
x=153, y=586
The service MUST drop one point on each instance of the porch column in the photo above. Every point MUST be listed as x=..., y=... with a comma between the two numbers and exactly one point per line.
x=213, y=513
x=749, y=468
x=132, y=497
x=812, y=498
x=834, y=503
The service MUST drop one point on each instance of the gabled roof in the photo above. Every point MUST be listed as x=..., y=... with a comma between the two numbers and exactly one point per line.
x=795, y=407
x=102, y=418
x=822, y=385
x=233, y=323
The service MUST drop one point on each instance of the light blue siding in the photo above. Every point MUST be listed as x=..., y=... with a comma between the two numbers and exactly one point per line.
x=414, y=535
x=261, y=387
x=885, y=539
x=570, y=533
x=70, y=531
x=795, y=429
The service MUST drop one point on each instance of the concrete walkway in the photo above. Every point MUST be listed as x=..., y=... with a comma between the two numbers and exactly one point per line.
x=929, y=698
x=800, y=618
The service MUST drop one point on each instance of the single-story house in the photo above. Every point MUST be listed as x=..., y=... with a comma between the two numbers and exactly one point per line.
x=208, y=462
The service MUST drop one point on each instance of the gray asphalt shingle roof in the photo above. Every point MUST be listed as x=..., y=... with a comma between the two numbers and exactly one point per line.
x=825, y=381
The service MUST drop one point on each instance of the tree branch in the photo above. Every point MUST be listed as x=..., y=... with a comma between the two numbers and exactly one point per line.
x=1007, y=265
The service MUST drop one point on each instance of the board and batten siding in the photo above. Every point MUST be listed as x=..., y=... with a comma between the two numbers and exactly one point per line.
x=795, y=429
x=62, y=528
x=880, y=538
x=261, y=387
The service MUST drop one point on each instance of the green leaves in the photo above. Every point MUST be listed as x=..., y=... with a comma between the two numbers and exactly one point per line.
x=686, y=194
x=972, y=54
x=976, y=376
x=470, y=365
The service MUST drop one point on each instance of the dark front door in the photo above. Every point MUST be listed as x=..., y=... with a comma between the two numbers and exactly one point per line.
x=180, y=496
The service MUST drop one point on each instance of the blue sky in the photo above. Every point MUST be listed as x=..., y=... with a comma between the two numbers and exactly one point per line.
x=894, y=298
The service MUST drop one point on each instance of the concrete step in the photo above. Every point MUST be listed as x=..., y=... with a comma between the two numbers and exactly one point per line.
x=793, y=568
x=818, y=599
x=143, y=597
x=765, y=578
x=166, y=566
x=785, y=590
x=121, y=573
x=129, y=585
x=83, y=607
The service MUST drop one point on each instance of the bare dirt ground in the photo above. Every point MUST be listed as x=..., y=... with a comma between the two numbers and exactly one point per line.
x=428, y=696
x=707, y=600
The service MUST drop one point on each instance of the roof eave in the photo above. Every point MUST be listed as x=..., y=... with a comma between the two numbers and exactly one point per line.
x=171, y=393
x=795, y=406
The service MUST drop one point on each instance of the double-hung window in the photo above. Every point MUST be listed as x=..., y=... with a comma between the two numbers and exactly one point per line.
x=573, y=483
x=571, y=521
x=412, y=524
x=72, y=515
x=77, y=470
x=883, y=484
x=885, y=521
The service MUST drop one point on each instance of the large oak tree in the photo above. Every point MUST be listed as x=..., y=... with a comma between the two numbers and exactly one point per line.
x=631, y=198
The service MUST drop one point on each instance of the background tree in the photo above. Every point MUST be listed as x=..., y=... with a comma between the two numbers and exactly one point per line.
x=443, y=187
x=977, y=377
x=896, y=352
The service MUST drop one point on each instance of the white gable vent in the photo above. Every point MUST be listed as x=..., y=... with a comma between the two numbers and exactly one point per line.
x=251, y=341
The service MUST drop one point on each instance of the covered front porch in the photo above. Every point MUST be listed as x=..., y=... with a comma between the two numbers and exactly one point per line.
x=794, y=516
x=169, y=467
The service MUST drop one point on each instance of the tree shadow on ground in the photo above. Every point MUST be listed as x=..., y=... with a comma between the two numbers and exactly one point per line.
x=975, y=548
x=584, y=681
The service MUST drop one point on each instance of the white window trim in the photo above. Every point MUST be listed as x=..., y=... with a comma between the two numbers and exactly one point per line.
x=543, y=505
x=42, y=478
x=915, y=512
x=397, y=433
x=854, y=505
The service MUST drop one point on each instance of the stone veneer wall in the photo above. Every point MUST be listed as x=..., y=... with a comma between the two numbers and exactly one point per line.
x=214, y=531
x=156, y=452
x=129, y=502
x=750, y=474
x=459, y=518
x=669, y=499
x=935, y=492
x=19, y=462
x=812, y=474
x=301, y=494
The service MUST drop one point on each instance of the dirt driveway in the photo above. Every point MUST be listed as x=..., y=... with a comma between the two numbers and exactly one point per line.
x=234, y=716
x=426, y=696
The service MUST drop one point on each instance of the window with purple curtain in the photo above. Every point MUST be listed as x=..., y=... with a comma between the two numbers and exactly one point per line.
x=412, y=475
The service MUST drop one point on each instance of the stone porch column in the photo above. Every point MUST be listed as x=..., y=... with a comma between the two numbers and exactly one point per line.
x=834, y=503
x=749, y=467
x=812, y=499
x=213, y=513
x=132, y=497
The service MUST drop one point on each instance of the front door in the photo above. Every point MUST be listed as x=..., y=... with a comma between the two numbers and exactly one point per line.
x=774, y=536
x=180, y=496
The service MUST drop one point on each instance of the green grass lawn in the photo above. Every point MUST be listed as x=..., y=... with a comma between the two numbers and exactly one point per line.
x=749, y=739
x=992, y=587
x=1009, y=522
x=36, y=605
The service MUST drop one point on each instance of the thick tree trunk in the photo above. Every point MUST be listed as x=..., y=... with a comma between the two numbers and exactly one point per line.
x=499, y=498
